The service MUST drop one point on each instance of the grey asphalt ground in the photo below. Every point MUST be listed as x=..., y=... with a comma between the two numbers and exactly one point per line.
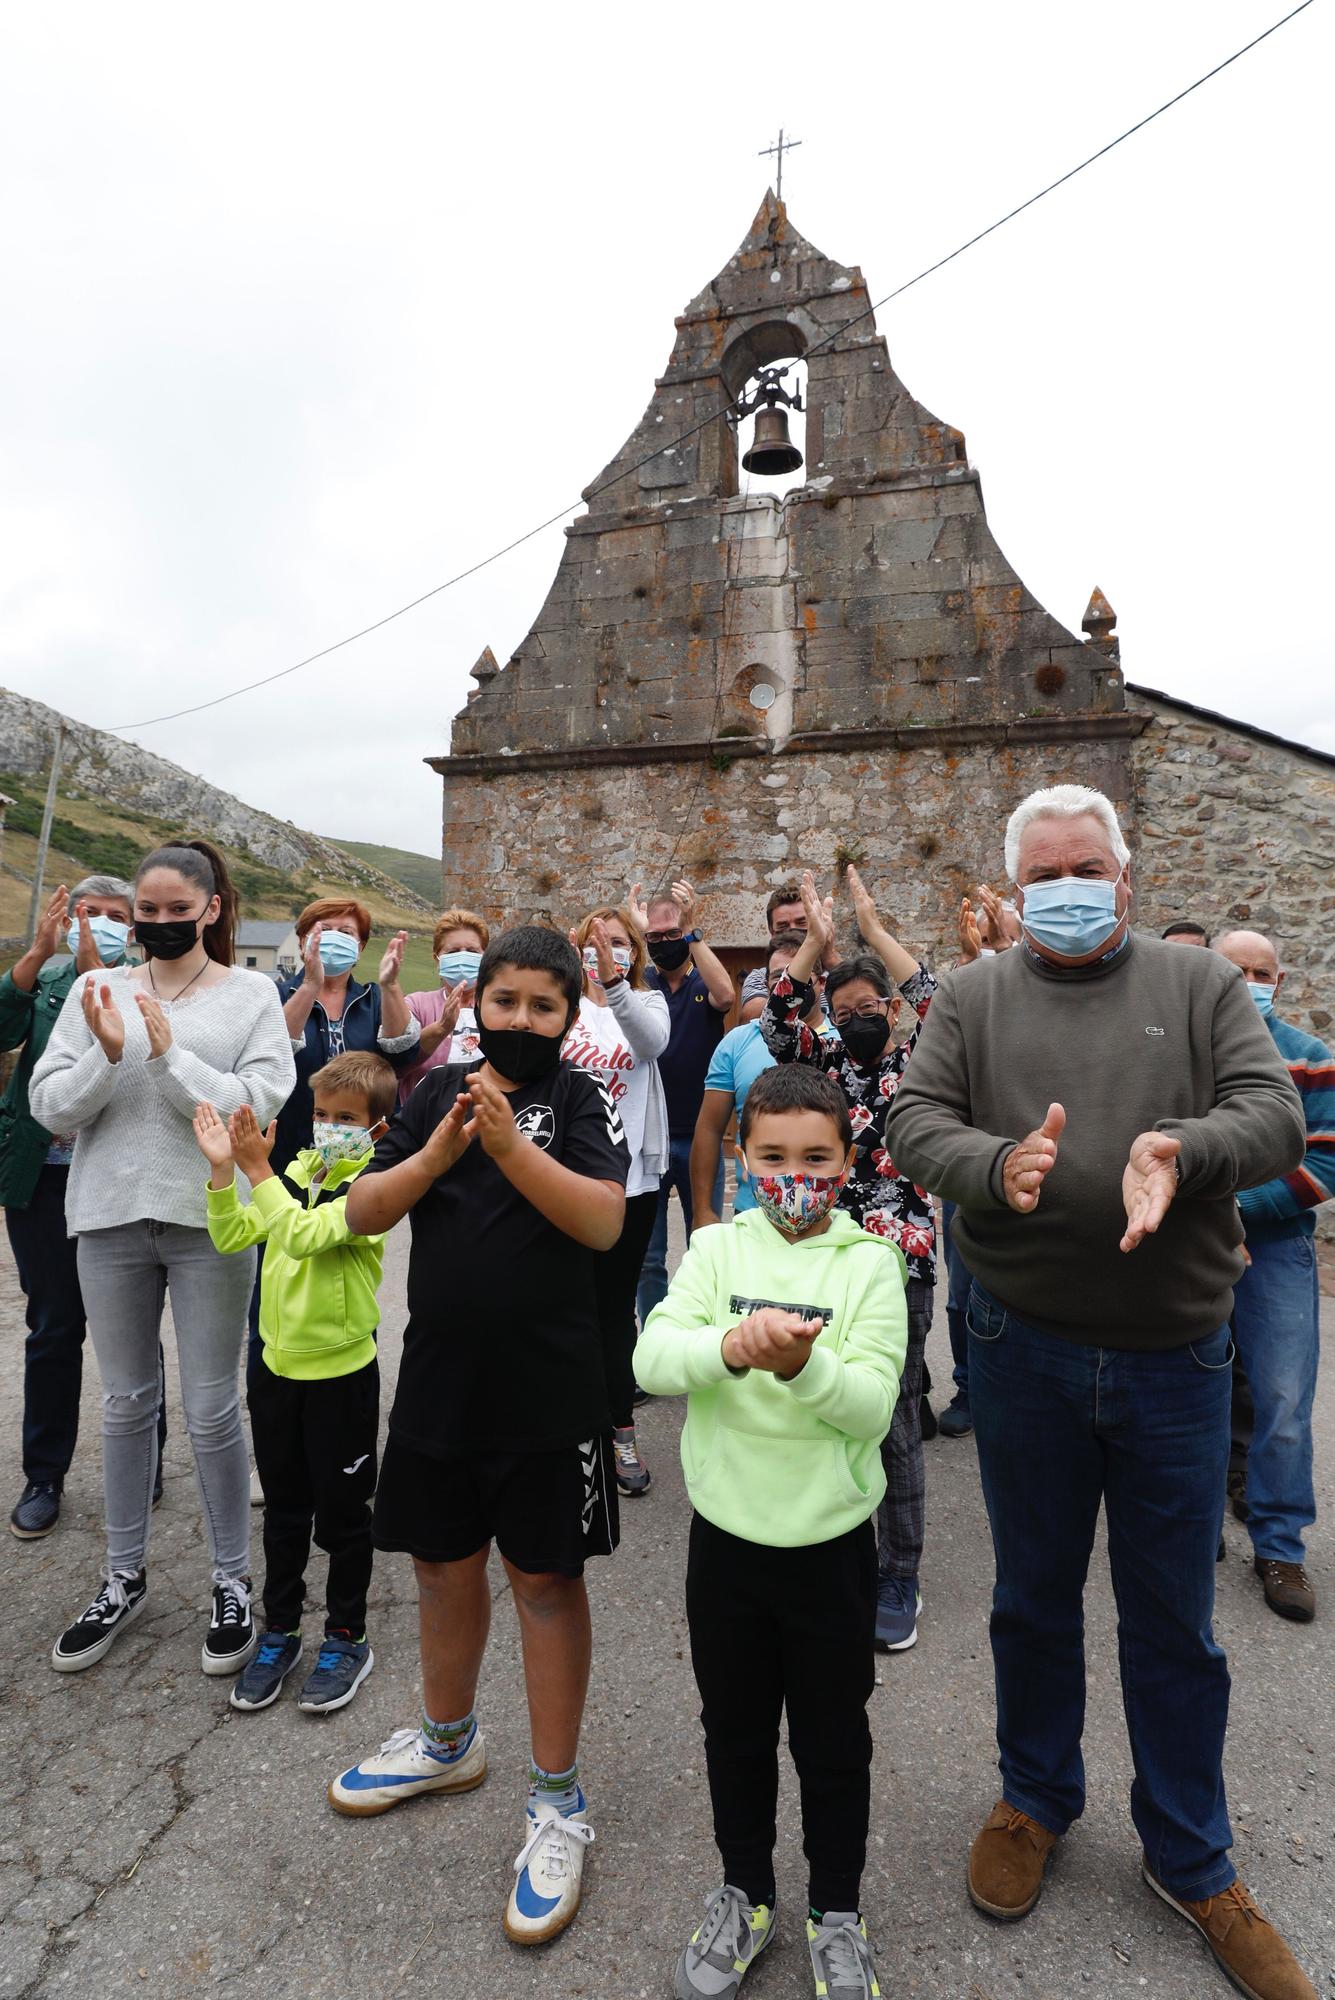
x=153, y=1841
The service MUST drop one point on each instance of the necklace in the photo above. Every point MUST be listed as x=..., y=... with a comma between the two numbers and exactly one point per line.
x=170, y=997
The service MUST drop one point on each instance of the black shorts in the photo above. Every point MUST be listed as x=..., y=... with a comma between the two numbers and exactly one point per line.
x=546, y=1511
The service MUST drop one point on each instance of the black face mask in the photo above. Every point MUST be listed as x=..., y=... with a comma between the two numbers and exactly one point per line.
x=668, y=955
x=171, y=940
x=865, y=1040
x=520, y=1055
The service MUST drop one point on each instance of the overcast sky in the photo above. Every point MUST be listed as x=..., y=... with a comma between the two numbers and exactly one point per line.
x=308, y=307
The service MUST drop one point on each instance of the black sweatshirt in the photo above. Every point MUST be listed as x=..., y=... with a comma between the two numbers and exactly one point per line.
x=1156, y=1038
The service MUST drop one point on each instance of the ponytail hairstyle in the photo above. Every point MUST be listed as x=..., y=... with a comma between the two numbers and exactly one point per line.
x=200, y=862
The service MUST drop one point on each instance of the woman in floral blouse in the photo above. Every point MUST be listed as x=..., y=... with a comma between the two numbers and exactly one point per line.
x=864, y=994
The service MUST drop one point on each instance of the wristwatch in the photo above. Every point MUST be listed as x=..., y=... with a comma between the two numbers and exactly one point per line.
x=692, y=937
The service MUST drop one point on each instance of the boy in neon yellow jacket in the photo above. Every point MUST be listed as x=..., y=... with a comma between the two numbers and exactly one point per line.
x=315, y=1403
x=787, y=1330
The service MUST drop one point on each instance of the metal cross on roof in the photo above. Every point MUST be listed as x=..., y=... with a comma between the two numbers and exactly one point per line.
x=783, y=146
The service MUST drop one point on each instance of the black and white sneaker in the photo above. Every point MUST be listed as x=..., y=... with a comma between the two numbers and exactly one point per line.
x=93, y=1634
x=231, y=1638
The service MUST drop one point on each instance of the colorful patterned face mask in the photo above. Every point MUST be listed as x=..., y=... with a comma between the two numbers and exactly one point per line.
x=793, y=1202
x=621, y=958
x=341, y=1142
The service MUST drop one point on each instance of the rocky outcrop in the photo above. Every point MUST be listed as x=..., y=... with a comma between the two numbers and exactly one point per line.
x=99, y=766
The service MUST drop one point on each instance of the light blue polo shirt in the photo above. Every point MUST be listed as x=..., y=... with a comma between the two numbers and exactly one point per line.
x=738, y=1060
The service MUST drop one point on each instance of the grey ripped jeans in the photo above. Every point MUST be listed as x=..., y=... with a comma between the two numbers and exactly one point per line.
x=124, y=1274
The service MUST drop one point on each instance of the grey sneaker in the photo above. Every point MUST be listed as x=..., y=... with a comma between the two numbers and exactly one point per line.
x=841, y=1957
x=631, y=1471
x=731, y=1936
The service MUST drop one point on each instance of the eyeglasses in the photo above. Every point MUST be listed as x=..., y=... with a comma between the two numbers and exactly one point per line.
x=662, y=937
x=868, y=1011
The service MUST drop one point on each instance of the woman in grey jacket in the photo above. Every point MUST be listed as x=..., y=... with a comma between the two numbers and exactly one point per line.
x=132, y=1054
x=620, y=1031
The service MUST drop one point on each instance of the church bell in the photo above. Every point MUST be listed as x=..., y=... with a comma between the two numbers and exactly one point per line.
x=772, y=450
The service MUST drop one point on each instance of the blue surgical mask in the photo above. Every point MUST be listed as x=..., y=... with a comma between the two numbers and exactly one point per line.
x=1072, y=916
x=459, y=968
x=110, y=937
x=339, y=951
x=1264, y=996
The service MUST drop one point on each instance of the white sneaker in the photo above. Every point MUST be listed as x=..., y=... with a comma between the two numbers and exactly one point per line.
x=548, y=1870
x=401, y=1769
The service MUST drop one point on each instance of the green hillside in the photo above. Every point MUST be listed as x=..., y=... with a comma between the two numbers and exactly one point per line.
x=89, y=837
x=420, y=871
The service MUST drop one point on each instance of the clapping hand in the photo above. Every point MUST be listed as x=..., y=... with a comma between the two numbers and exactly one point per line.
x=451, y=1138
x=212, y=1138
x=49, y=937
x=493, y=1120
x=776, y=1341
x=639, y=909
x=1030, y=1163
x=819, y=915
x=312, y=965
x=1003, y=926
x=864, y=905
x=104, y=1019
x=155, y=1020
x=392, y=961
x=971, y=938
x=686, y=900
x=1148, y=1185
x=250, y=1146
x=608, y=970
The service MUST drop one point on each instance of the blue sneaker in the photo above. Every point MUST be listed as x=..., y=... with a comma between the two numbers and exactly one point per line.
x=262, y=1681
x=548, y=1874
x=342, y=1666
x=898, y=1602
x=401, y=1769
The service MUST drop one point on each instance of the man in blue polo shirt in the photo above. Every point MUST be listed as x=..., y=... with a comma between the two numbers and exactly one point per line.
x=699, y=993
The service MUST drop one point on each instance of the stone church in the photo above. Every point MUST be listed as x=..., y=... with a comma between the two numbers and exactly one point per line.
x=733, y=685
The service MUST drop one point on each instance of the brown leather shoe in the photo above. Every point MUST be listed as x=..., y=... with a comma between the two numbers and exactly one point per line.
x=1287, y=1589
x=1245, y=1943
x=1007, y=1863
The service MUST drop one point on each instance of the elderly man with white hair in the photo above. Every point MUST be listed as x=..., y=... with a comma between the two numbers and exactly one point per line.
x=1276, y=1321
x=1092, y=1102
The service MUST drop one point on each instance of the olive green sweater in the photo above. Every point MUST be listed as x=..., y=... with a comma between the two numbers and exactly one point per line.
x=1160, y=1037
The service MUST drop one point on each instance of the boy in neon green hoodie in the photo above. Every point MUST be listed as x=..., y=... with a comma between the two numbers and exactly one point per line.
x=315, y=1402
x=786, y=1329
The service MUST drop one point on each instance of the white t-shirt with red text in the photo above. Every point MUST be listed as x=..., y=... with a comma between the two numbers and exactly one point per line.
x=596, y=1043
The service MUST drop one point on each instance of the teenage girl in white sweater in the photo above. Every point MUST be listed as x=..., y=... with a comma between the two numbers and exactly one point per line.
x=134, y=1051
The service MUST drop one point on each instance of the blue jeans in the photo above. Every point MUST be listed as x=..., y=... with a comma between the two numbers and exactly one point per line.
x=1061, y=1427
x=653, y=1272
x=1277, y=1328
x=957, y=1298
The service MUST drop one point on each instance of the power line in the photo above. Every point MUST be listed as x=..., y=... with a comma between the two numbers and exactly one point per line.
x=684, y=437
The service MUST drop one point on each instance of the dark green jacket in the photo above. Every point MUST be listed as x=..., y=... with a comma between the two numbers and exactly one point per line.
x=27, y=1018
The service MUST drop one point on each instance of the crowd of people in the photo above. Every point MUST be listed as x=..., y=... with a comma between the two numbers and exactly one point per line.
x=1128, y=1142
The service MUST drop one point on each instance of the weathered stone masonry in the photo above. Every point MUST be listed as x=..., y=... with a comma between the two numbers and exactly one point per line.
x=915, y=689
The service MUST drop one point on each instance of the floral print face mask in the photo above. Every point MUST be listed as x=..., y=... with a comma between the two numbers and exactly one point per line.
x=794, y=1202
x=341, y=1142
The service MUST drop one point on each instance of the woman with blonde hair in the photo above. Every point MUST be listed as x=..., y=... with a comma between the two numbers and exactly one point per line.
x=620, y=1031
x=445, y=1013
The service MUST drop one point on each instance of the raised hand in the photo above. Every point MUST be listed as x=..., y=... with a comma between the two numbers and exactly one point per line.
x=104, y=1020
x=451, y=1138
x=250, y=1146
x=971, y=938
x=493, y=1120
x=87, y=958
x=392, y=962
x=1032, y=1161
x=864, y=904
x=684, y=896
x=1149, y=1183
x=212, y=1136
x=608, y=969
x=155, y=1020
x=1003, y=926
x=49, y=937
x=312, y=965
x=778, y=1342
x=639, y=909
x=819, y=928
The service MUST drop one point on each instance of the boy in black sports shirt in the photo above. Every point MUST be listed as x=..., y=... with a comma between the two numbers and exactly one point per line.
x=514, y=1173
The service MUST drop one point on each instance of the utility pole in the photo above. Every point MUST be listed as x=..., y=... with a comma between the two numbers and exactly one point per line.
x=44, y=837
